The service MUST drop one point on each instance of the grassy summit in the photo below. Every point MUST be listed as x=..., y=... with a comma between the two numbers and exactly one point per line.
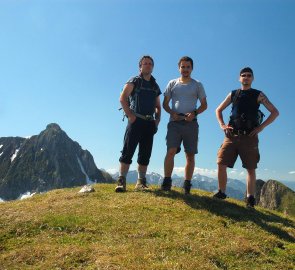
x=154, y=230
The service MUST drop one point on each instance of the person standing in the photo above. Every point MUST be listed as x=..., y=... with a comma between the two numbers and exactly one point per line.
x=183, y=92
x=241, y=133
x=141, y=104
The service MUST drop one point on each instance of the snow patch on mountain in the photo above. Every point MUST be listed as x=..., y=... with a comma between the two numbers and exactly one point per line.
x=14, y=155
x=88, y=180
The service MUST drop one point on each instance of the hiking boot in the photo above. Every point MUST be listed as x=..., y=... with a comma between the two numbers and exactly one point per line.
x=187, y=187
x=141, y=185
x=121, y=184
x=220, y=195
x=167, y=184
x=250, y=201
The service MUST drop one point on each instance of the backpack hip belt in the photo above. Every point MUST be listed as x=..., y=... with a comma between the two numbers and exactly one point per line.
x=144, y=117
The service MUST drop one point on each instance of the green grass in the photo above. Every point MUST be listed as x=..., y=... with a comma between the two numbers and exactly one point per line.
x=152, y=230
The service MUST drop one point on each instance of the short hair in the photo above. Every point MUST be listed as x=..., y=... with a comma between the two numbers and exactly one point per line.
x=246, y=69
x=144, y=57
x=187, y=59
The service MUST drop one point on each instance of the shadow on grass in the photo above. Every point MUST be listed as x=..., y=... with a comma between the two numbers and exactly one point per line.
x=233, y=211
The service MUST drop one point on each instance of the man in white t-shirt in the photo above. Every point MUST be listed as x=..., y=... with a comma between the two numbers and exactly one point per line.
x=183, y=92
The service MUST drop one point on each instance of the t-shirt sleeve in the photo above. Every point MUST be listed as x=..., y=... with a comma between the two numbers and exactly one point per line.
x=201, y=91
x=168, y=90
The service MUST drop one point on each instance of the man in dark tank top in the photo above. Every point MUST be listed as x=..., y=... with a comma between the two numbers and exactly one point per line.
x=241, y=133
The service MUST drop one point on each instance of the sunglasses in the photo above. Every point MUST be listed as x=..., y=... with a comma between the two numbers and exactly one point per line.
x=246, y=75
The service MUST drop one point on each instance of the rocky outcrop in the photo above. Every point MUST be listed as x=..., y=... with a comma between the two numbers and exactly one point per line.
x=43, y=162
x=276, y=196
x=259, y=184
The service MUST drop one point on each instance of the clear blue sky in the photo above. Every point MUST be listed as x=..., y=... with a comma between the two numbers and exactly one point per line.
x=66, y=61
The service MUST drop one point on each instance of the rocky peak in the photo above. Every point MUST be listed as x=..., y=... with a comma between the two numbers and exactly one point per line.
x=276, y=196
x=53, y=126
x=46, y=161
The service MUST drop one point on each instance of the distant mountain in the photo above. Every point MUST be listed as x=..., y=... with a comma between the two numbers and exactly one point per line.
x=289, y=184
x=152, y=178
x=43, y=162
x=235, y=188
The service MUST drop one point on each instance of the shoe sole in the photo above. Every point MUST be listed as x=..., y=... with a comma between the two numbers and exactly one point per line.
x=142, y=189
x=120, y=189
x=166, y=189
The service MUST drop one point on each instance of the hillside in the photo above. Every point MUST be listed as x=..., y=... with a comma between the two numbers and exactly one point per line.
x=154, y=230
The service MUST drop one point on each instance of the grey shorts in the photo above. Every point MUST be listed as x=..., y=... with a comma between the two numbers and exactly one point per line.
x=183, y=131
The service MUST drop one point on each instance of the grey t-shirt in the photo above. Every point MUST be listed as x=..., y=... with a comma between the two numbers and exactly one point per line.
x=184, y=97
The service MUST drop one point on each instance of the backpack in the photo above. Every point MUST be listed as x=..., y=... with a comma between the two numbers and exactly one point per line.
x=241, y=121
x=138, y=81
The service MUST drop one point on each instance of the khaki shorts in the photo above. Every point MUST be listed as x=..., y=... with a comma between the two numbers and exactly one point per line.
x=239, y=145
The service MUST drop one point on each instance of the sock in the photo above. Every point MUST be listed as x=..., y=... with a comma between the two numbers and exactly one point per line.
x=121, y=173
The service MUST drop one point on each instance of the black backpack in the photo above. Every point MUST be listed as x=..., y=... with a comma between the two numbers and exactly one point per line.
x=242, y=122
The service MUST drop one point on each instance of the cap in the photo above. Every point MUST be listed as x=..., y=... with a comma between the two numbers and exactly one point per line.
x=246, y=69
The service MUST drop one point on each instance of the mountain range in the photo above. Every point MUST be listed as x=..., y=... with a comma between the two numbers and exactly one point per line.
x=235, y=188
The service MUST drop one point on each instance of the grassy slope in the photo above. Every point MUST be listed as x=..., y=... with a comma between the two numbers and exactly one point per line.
x=287, y=200
x=135, y=230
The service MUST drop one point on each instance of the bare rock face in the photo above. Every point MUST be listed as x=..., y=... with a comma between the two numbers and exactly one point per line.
x=43, y=162
x=259, y=184
x=276, y=196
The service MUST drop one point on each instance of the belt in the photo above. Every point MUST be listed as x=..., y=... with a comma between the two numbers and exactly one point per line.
x=144, y=117
x=240, y=132
x=183, y=117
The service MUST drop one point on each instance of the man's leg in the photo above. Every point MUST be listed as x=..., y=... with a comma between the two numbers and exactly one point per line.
x=251, y=182
x=131, y=139
x=123, y=169
x=141, y=170
x=168, y=168
x=222, y=177
x=251, y=186
x=169, y=162
x=144, y=154
x=121, y=182
x=141, y=184
x=188, y=172
x=190, y=166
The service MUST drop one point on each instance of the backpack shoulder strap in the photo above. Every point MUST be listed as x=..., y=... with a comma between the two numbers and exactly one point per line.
x=137, y=81
x=235, y=98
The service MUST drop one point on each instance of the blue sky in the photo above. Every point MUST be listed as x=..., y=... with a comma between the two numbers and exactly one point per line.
x=66, y=62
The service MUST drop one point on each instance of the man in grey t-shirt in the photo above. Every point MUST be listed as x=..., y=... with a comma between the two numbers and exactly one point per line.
x=183, y=127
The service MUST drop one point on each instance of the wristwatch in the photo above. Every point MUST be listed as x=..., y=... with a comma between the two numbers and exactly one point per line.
x=196, y=112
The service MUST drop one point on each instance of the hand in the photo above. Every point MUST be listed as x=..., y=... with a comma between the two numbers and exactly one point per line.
x=190, y=117
x=226, y=128
x=157, y=121
x=255, y=131
x=131, y=118
x=176, y=117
